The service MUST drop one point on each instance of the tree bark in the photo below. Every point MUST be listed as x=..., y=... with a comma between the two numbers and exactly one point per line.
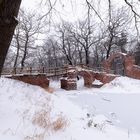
x=109, y=47
x=87, y=57
x=25, y=53
x=8, y=12
x=17, y=54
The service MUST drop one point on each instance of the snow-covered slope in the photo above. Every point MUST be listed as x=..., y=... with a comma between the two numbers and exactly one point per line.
x=30, y=113
x=123, y=85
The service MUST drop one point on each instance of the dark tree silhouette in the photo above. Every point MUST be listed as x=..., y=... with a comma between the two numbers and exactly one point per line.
x=8, y=12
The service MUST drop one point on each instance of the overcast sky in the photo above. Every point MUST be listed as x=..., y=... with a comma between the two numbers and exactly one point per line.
x=72, y=10
x=28, y=3
x=67, y=9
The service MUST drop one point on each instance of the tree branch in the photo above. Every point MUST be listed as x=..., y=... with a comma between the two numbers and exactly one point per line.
x=135, y=16
x=89, y=4
x=130, y=5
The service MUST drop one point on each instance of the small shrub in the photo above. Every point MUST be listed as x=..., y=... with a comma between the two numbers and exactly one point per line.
x=59, y=124
x=49, y=89
x=42, y=119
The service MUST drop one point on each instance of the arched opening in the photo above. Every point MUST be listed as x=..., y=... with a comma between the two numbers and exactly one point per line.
x=118, y=66
x=88, y=78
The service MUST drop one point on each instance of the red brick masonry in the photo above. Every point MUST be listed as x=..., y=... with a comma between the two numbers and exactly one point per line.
x=70, y=81
x=131, y=70
x=39, y=80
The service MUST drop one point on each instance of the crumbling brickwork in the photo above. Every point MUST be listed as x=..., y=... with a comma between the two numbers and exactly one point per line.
x=88, y=77
x=39, y=80
x=70, y=82
x=131, y=70
x=104, y=78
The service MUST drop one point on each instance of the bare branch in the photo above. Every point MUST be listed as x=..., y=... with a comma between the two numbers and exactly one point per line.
x=129, y=4
x=135, y=16
x=51, y=5
x=109, y=9
x=89, y=4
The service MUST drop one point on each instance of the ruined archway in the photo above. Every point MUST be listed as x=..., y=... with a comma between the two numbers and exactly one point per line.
x=70, y=81
x=126, y=66
x=116, y=64
x=87, y=76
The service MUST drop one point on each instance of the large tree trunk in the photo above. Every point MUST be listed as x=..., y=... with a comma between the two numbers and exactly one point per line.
x=25, y=54
x=87, y=57
x=17, y=55
x=109, y=47
x=8, y=13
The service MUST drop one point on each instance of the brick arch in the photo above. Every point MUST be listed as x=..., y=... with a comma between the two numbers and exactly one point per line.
x=88, y=77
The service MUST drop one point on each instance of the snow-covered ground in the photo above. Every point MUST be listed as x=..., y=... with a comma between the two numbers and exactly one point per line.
x=30, y=113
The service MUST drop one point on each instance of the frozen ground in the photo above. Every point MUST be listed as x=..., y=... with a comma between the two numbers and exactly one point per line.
x=119, y=101
x=109, y=113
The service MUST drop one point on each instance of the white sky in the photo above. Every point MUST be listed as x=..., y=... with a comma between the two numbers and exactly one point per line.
x=71, y=10
x=64, y=9
x=28, y=3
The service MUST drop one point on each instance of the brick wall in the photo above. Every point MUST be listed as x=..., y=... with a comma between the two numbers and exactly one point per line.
x=39, y=80
x=134, y=72
x=105, y=78
x=69, y=82
x=131, y=70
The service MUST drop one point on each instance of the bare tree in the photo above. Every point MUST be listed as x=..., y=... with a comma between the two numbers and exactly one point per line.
x=80, y=53
x=25, y=35
x=8, y=12
x=115, y=28
x=67, y=44
x=48, y=54
x=84, y=35
x=16, y=42
x=52, y=52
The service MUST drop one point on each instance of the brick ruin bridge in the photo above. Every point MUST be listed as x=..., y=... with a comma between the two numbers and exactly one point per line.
x=116, y=65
